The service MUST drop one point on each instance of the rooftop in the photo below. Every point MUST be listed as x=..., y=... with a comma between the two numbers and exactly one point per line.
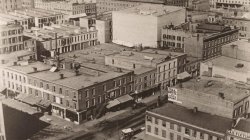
x=215, y=87
x=48, y=32
x=242, y=44
x=229, y=64
x=35, y=12
x=151, y=9
x=213, y=27
x=243, y=125
x=147, y=56
x=142, y=70
x=200, y=119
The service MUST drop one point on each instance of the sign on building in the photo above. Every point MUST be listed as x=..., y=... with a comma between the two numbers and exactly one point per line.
x=172, y=95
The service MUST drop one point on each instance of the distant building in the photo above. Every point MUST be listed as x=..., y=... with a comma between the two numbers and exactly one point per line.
x=102, y=23
x=129, y=25
x=61, y=39
x=241, y=22
x=200, y=5
x=175, y=122
x=9, y=5
x=11, y=38
x=229, y=3
x=181, y=3
x=166, y=63
x=202, y=40
x=216, y=95
x=69, y=8
x=28, y=3
x=117, y=5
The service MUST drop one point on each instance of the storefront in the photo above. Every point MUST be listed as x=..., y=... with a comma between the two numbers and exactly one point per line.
x=58, y=110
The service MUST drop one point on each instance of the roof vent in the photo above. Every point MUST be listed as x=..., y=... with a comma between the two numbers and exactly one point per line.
x=61, y=76
x=239, y=65
x=195, y=109
x=34, y=69
x=222, y=95
x=15, y=63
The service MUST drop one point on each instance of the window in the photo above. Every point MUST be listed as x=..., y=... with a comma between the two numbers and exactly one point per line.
x=36, y=92
x=104, y=87
x=54, y=89
x=87, y=93
x=149, y=119
x=148, y=128
x=67, y=103
x=194, y=133
x=201, y=135
x=187, y=131
x=67, y=93
x=93, y=92
x=156, y=131
x=61, y=101
x=156, y=121
x=163, y=123
x=210, y=137
x=47, y=86
x=87, y=104
x=178, y=128
x=60, y=90
x=178, y=137
x=54, y=98
x=247, y=105
x=93, y=101
x=172, y=126
x=171, y=136
x=41, y=84
x=163, y=133
x=48, y=96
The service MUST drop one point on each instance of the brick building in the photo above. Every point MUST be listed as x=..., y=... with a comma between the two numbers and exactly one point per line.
x=175, y=122
x=62, y=39
x=9, y=5
x=212, y=95
x=165, y=63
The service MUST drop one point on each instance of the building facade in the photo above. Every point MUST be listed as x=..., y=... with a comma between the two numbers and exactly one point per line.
x=28, y=3
x=129, y=25
x=174, y=122
x=11, y=38
x=10, y=5
x=229, y=3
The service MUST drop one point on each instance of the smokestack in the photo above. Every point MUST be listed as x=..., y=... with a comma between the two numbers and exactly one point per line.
x=14, y=63
x=195, y=109
x=34, y=69
x=61, y=76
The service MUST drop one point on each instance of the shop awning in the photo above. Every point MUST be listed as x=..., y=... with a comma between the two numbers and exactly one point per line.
x=113, y=103
x=43, y=103
x=124, y=98
x=31, y=100
x=183, y=75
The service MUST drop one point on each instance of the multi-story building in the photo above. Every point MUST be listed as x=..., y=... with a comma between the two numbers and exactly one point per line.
x=67, y=7
x=28, y=4
x=11, y=38
x=145, y=81
x=182, y=3
x=200, y=5
x=9, y=5
x=129, y=25
x=175, y=122
x=213, y=95
x=165, y=62
x=102, y=23
x=203, y=41
x=68, y=91
x=241, y=22
x=61, y=39
x=229, y=3
x=117, y=5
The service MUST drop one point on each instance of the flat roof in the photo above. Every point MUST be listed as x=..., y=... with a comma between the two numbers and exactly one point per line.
x=142, y=70
x=229, y=89
x=36, y=12
x=200, y=119
x=29, y=68
x=242, y=44
x=229, y=64
x=87, y=77
x=146, y=9
x=147, y=55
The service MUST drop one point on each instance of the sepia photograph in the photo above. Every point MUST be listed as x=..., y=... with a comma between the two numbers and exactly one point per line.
x=124, y=69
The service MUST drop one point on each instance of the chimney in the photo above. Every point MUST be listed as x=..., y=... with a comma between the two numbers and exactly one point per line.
x=14, y=63
x=2, y=61
x=97, y=74
x=119, y=70
x=195, y=109
x=34, y=69
x=61, y=76
x=221, y=95
x=77, y=72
